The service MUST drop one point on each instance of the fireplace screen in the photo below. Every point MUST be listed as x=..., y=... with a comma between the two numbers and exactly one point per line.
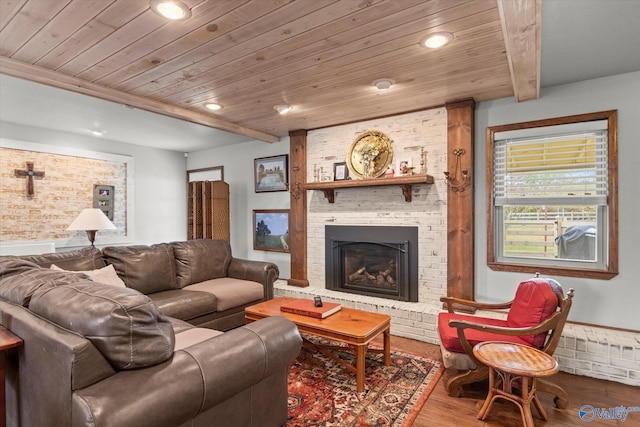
x=375, y=261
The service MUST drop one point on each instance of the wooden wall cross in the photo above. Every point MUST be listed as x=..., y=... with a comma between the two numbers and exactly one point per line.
x=29, y=174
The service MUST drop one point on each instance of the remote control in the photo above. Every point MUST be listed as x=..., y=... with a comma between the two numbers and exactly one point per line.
x=317, y=301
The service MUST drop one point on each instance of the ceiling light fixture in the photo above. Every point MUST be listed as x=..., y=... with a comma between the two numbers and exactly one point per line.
x=283, y=108
x=213, y=106
x=97, y=132
x=170, y=9
x=383, y=84
x=436, y=40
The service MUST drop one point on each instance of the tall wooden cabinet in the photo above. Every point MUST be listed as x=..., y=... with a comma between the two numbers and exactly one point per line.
x=208, y=214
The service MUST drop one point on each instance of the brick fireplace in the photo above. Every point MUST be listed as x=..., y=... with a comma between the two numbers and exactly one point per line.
x=384, y=206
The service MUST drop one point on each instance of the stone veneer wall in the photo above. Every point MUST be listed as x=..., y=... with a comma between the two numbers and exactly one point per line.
x=65, y=190
x=583, y=350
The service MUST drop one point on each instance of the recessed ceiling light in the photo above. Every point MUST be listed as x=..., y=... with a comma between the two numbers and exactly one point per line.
x=170, y=9
x=283, y=108
x=214, y=106
x=383, y=84
x=436, y=40
x=97, y=132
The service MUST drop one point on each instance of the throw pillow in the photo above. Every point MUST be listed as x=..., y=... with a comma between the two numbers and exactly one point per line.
x=106, y=275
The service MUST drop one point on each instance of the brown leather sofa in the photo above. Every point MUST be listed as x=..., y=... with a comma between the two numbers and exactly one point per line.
x=198, y=281
x=102, y=355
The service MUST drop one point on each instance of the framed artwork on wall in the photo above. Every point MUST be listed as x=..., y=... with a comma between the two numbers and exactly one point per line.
x=271, y=173
x=271, y=230
x=103, y=197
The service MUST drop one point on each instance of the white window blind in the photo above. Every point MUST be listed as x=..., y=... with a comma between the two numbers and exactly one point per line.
x=569, y=168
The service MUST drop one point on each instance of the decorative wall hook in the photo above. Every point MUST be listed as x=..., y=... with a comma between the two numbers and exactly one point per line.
x=455, y=182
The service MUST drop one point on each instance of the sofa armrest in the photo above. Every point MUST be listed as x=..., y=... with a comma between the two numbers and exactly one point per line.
x=257, y=271
x=196, y=379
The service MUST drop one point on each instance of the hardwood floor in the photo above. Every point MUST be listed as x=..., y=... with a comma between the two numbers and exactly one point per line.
x=440, y=410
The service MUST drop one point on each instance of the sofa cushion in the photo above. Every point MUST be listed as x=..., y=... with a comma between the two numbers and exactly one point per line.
x=124, y=325
x=183, y=304
x=20, y=279
x=194, y=336
x=81, y=259
x=105, y=275
x=535, y=300
x=230, y=293
x=201, y=259
x=146, y=269
x=449, y=335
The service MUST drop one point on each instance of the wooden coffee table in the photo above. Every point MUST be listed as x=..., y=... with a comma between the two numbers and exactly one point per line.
x=356, y=328
x=508, y=363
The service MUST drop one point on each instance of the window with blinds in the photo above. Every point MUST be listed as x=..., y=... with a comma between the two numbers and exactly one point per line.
x=569, y=168
x=551, y=201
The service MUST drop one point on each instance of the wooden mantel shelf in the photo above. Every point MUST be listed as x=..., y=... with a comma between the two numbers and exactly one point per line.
x=404, y=182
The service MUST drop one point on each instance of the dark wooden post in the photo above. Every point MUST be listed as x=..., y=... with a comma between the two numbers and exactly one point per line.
x=460, y=213
x=298, y=208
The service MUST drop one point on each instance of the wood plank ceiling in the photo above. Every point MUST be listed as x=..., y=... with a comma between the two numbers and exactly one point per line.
x=320, y=56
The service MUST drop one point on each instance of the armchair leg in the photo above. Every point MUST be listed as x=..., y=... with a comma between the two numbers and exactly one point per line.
x=454, y=385
x=561, y=397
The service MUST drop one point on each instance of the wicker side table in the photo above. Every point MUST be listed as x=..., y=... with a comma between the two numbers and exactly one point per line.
x=510, y=364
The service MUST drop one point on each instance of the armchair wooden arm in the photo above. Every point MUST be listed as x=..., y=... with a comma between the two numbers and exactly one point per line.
x=549, y=324
x=452, y=303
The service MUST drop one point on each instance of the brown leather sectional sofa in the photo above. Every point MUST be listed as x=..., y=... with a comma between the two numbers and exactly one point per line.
x=104, y=355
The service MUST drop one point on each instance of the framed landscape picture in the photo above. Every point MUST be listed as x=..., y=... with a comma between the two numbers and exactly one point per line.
x=271, y=173
x=271, y=230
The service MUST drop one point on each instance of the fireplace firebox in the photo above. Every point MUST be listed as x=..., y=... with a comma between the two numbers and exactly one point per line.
x=378, y=261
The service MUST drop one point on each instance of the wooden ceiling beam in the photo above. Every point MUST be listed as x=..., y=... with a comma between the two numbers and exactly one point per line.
x=41, y=75
x=522, y=25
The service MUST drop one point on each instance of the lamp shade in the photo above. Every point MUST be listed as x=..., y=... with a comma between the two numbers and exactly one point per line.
x=91, y=219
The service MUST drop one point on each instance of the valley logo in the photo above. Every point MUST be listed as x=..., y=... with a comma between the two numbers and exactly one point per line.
x=588, y=413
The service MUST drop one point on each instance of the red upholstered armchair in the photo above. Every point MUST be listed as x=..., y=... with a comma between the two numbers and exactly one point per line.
x=535, y=318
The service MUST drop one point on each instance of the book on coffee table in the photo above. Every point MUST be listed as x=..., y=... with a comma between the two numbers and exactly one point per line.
x=306, y=307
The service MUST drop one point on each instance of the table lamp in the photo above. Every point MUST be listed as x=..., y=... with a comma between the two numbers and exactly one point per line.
x=91, y=220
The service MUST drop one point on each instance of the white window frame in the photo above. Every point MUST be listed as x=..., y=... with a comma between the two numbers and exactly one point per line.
x=606, y=264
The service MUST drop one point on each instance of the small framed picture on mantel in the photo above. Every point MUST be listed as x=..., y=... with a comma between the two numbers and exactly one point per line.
x=340, y=171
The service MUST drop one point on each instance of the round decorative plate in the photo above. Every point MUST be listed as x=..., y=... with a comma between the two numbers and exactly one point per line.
x=375, y=146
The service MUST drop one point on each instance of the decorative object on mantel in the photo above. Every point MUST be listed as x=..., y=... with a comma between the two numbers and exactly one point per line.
x=405, y=167
x=455, y=182
x=91, y=220
x=370, y=154
x=340, y=171
x=29, y=174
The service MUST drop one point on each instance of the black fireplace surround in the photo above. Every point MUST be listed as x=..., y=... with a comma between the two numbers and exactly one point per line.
x=378, y=261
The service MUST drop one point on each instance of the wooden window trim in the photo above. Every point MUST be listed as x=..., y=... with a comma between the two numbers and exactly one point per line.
x=611, y=269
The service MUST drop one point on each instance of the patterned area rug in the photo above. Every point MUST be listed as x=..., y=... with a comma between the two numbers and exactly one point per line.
x=322, y=392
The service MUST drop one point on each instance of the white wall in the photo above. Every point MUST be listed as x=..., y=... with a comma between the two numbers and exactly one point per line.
x=159, y=180
x=238, y=172
x=603, y=302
